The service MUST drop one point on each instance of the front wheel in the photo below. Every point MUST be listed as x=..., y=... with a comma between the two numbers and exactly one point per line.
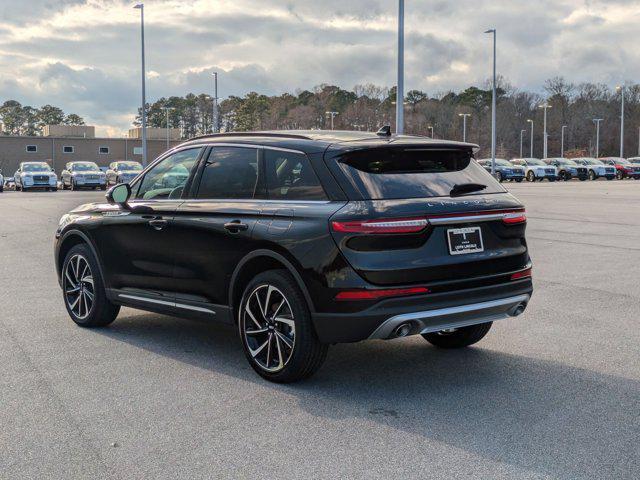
x=276, y=331
x=620, y=175
x=531, y=177
x=458, y=337
x=592, y=175
x=83, y=290
x=499, y=177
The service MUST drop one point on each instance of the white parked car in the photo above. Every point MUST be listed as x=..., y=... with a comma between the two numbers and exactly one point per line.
x=597, y=169
x=122, y=172
x=31, y=175
x=536, y=169
x=78, y=175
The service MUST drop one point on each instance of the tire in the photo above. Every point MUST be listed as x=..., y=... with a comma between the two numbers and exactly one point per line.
x=499, y=177
x=620, y=175
x=103, y=188
x=81, y=279
x=72, y=186
x=531, y=176
x=260, y=335
x=459, y=338
x=592, y=175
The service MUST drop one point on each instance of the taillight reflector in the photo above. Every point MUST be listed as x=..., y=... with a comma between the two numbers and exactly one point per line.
x=514, y=218
x=377, y=294
x=523, y=274
x=392, y=225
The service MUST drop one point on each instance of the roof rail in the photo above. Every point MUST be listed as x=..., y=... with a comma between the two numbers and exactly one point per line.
x=251, y=134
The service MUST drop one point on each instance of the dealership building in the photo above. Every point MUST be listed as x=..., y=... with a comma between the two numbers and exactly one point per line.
x=60, y=144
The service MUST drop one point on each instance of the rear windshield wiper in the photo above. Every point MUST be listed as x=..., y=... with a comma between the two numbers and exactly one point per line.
x=462, y=188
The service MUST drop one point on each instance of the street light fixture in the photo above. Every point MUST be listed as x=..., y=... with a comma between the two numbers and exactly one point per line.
x=332, y=115
x=620, y=89
x=400, y=86
x=493, y=106
x=215, y=122
x=545, y=106
x=597, y=122
x=140, y=6
x=562, y=141
x=531, y=122
x=464, y=125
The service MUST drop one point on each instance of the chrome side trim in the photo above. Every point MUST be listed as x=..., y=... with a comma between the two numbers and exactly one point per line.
x=453, y=317
x=164, y=302
x=467, y=219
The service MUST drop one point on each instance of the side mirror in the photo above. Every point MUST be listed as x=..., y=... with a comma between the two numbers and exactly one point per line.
x=119, y=194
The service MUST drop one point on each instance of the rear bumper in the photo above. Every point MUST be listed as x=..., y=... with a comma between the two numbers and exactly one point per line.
x=451, y=317
x=426, y=313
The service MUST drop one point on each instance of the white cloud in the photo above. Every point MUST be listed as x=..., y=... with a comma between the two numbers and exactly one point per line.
x=83, y=55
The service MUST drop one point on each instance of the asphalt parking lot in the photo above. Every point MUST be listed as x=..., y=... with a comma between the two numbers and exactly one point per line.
x=552, y=394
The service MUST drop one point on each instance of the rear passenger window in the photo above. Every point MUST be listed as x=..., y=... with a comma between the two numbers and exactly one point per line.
x=291, y=177
x=230, y=172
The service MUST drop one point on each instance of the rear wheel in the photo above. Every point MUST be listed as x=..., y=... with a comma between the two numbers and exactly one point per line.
x=458, y=337
x=531, y=177
x=592, y=175
x=499, y=177
x=83, y=290
x=276, y=330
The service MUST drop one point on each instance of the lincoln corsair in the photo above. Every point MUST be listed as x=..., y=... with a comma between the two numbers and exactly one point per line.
x=78, y=175
x=304, y=239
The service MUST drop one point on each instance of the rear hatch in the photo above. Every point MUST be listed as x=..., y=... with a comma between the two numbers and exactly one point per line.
x=425, y=214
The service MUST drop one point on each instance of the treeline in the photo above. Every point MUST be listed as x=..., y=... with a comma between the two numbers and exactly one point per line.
x=368, y=107
x=18, y=119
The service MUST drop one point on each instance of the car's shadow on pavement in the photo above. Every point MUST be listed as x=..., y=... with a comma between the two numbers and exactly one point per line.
x=535, y=414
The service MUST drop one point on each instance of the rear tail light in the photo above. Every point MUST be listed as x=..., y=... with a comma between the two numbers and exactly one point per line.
x=523, y=274
x=392, y=225
x=378, y=294
x=514, y=218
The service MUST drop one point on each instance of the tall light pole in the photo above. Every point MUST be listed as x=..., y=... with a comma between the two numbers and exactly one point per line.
x=464, y=125
x=545, y=106
x=214, y=126
x=562, y=141
x=531, y=122
x=639, y=141
x=597, y=122
x=400, y=87
x=621, y=90
x=493, y=106
x=521, y=141
x=140, y=6
x=166, y=111
x=332, y=115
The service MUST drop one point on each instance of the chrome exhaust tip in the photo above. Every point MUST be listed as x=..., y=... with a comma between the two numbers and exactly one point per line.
x=519, y=310
x=402, y=330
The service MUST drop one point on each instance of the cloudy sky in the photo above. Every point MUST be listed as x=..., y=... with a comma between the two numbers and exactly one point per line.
x=84, y=55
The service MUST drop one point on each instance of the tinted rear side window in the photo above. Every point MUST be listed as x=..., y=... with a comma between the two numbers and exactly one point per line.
x=393, y=173
x=290, y=176
x=230, y=172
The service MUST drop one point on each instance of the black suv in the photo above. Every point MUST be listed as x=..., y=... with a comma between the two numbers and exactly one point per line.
x=303, y=239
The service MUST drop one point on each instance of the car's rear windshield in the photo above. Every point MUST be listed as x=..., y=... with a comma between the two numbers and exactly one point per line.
x=394, y=173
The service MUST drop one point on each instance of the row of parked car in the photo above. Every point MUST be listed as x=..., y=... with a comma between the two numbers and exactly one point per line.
x=552, y=169
x=75, y=176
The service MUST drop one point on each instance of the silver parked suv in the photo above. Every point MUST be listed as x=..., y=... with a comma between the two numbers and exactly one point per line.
x=78, y=175
x=536, y=169
x=596, y=168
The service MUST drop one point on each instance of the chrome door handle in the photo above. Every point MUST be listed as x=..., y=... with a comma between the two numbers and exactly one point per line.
x=158, y=224
x=236, y=226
